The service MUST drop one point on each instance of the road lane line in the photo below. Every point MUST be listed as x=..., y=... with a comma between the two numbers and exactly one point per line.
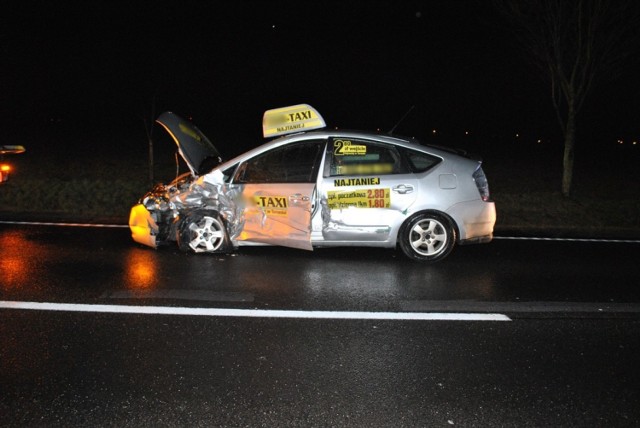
x=251, y=313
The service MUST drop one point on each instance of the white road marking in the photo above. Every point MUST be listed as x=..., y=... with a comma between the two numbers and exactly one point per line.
x=251, y=313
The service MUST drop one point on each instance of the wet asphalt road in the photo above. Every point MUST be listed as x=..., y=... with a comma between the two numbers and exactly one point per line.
x=568, y=357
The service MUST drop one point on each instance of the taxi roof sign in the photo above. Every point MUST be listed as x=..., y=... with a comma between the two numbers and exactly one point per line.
x=287, y=120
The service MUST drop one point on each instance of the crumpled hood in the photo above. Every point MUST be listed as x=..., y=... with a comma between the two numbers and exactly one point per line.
x=194, y=147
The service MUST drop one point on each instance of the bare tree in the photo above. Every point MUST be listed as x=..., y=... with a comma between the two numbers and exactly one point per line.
x=574, y=43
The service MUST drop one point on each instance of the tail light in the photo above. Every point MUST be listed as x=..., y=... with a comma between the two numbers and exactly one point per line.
x=482, y=183
x=5, y=168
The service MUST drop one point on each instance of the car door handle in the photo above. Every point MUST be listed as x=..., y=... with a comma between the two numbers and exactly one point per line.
x=403, y=189
x=298, y=197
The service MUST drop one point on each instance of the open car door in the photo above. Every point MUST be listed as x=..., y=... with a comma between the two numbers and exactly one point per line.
x=279, y=185
x=278, y=214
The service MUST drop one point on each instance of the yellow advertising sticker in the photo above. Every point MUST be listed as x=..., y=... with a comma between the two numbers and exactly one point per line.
x=272, y=205
x=364, y=181
x=365, y=198
x=346, y=148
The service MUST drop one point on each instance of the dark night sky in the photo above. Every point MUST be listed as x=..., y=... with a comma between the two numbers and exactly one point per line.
x=362, y=64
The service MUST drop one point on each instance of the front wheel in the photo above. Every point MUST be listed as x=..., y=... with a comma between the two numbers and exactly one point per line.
x=202, y=232
x=427, y=237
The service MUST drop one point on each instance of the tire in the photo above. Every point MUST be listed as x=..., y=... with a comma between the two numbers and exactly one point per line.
x=202, y=232
x=427, y=237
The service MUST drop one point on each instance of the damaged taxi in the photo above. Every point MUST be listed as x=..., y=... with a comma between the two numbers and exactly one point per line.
x=316, y=187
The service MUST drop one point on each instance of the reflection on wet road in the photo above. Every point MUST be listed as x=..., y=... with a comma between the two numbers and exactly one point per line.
x=98, y=265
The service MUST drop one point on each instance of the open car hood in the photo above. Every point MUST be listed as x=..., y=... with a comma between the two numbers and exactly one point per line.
x=194, y=147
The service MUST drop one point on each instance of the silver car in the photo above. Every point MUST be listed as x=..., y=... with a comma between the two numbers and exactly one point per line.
x=317, y=188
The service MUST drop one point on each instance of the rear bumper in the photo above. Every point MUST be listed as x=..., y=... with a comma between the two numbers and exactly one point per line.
x=477, y=240
x=475, y=219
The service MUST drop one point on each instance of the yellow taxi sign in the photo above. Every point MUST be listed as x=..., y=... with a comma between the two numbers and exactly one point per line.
x=286, y=120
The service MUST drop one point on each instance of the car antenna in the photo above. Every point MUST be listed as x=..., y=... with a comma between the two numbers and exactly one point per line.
x=401, y=119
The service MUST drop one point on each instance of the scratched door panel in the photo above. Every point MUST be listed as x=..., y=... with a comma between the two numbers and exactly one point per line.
x=278, y=214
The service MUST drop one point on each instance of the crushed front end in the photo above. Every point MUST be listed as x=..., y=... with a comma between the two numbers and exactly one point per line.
x=152, y=219
x=155, y=220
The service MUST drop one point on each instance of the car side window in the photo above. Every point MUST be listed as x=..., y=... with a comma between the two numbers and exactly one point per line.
x=420, y=162
x=350, y=156
x=292, y=163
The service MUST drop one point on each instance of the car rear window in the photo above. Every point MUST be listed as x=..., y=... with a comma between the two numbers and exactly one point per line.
x=420, y=162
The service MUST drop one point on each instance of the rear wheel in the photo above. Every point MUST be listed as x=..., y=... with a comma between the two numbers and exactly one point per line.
x=427, y=237
x=203, y=232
